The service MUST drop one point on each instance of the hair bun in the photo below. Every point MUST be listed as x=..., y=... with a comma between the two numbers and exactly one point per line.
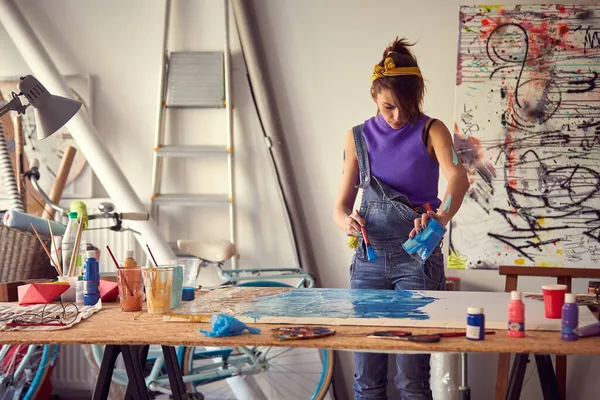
x=400, y=46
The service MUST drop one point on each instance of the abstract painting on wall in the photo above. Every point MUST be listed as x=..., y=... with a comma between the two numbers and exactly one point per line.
x=527, y=128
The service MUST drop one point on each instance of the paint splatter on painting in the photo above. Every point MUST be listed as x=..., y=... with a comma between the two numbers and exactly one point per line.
x=340, y=303
x=527, y=128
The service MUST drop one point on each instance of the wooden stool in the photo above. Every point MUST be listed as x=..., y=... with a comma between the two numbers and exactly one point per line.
x=563, y=276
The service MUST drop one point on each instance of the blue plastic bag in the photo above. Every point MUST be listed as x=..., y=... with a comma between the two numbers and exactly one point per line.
x=226, y=325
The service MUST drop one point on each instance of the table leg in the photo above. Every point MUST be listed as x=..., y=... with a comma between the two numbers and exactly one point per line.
x=135, y=374
x=504, y=358
x=111, y=352
x=547, y=377
x=561, y=375
x=139, y=353
x=502, y=375
x=174, y=372
x=517, y=374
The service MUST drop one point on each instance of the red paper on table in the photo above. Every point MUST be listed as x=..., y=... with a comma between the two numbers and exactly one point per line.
x=109, y=291
x=40, y=293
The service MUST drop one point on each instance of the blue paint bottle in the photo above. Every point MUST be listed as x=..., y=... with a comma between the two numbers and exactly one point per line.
x=475, y=323
x=570, y=318
x=91, y=276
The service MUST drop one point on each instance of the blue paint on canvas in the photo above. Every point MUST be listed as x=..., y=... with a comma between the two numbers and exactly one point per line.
x=340, y=303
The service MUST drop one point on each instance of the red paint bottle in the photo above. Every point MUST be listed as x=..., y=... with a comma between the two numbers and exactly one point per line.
x=516, y=315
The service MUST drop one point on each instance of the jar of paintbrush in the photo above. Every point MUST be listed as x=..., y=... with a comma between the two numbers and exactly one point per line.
x=131, y=284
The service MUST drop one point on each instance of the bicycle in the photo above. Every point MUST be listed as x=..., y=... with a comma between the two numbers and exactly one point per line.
x=218, y=371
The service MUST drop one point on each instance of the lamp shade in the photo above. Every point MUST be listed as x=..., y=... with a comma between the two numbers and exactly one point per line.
x=51, y=112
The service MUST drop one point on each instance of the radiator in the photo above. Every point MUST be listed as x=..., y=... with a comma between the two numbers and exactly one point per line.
x=72, y=375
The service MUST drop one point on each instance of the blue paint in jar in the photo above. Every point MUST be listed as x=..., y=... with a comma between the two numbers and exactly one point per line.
x=475, y=323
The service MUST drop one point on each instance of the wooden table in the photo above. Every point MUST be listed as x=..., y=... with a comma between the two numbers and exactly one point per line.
x=126, y=332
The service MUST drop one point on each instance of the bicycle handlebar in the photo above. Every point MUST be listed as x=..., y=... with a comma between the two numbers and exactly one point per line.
x=135, y=216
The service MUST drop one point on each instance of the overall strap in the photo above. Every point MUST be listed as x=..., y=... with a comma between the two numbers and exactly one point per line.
x=362, y=156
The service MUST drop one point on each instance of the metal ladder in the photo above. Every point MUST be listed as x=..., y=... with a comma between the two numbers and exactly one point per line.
x=194, y=80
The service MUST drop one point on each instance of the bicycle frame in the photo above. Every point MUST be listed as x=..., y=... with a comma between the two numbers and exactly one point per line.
x=212, y=372
x=248, y=275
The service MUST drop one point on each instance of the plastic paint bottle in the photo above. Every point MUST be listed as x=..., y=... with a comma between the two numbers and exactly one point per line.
x=68, y=241
x=570, y=317
x=516, y=315
x=79, y=290
x=475, y=323
x=129, y=261
x=91, y=276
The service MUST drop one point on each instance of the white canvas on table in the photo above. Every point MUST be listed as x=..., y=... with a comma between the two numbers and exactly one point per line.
x=364, y=307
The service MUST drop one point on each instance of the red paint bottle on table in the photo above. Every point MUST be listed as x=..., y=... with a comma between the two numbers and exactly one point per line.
x=516, y=315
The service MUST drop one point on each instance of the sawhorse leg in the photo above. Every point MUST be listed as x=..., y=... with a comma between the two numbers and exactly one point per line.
x=546, y=374
x=135, y=358
x=136, y=389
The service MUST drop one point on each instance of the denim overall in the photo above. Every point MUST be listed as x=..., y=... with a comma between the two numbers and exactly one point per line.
x=389, y=219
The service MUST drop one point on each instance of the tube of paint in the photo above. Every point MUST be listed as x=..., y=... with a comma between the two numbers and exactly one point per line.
x=589, y=330
x=423, y=244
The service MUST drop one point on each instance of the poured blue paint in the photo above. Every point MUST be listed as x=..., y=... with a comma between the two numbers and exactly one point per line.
x=454, y=158
x=340, y=303
x=447, y=203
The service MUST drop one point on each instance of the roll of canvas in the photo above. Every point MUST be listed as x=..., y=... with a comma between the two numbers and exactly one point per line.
x=19, y=220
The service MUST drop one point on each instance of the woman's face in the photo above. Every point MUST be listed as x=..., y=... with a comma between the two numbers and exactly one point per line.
x=389, y=110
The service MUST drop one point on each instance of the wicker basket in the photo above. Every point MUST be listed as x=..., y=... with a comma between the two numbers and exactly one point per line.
x=22, y=257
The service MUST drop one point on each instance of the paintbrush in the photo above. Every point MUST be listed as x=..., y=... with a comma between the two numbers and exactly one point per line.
x=370, y=252
x=46, y=250
x=152, y=255
x=53, y=243
x=75, y=253
x=119, y=268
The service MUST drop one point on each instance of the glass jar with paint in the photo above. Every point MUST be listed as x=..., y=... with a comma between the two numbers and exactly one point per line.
x=190, y=274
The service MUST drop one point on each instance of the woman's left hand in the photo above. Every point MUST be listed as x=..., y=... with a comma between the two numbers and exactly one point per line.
x=421, y=223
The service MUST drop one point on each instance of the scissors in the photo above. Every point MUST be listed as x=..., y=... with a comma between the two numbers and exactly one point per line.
x=424, y=338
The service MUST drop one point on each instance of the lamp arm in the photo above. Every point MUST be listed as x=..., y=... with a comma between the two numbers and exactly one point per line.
x=13, y=105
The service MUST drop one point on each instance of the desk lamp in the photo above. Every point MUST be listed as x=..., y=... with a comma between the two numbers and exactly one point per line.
x=51, y=112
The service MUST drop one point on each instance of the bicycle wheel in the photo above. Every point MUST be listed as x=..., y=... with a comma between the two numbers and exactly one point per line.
x=287, y=372
x=271, y=380
x=24, y=368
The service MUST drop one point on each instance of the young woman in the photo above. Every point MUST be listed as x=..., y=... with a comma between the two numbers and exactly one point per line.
x=395, y=158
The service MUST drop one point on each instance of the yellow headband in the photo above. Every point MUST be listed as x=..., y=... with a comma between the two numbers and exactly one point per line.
x=389, y=69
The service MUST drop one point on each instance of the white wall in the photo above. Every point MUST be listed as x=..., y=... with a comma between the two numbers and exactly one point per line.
x=319, y=58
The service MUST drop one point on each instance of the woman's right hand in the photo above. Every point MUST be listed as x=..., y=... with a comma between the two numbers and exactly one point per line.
x=352, y=224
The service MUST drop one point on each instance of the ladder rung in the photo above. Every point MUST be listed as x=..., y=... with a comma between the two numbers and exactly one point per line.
x=191, y=151
x=191, y=199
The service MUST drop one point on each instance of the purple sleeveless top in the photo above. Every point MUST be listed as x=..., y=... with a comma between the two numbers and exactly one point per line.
x=399, y=158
